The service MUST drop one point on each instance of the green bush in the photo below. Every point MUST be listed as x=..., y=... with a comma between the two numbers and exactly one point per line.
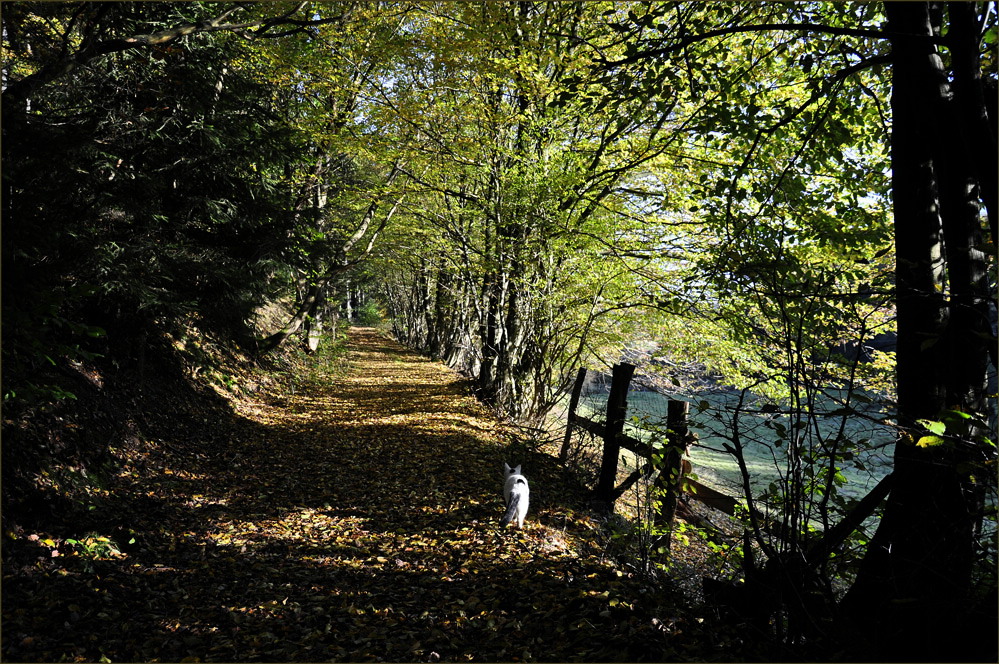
x=368, y=314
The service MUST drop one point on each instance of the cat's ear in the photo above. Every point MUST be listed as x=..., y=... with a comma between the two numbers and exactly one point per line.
x=516, y=471
x=506, y=468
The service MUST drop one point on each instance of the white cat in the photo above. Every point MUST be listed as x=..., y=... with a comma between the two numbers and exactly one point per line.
x=517, y=495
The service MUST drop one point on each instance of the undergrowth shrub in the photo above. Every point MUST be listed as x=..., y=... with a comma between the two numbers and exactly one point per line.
x=368, y=315
x=328, y=361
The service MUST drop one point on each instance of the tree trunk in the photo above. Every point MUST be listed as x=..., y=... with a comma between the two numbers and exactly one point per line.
x=577, y=388
x=314, y=322
x=489, y=297
x=960, y=186
x=348, y=306
x=976, y=119
x=296, y=322
x=911, y=591
x=440, y=339
x=489, y=334
x=508, y=382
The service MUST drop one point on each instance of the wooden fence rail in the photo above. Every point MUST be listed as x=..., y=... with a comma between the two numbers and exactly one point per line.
x=787, y=574
x=671, y=481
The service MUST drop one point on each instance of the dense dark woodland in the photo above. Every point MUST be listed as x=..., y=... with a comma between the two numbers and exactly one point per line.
x=199, y=197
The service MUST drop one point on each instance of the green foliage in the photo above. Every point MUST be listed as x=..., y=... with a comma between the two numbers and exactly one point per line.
x=167, y=194
x=329, y=360
x=514, y=219
x=368, y=314
x=193, y=227
x=93, y=547
x=954, y=426
x=524, y=187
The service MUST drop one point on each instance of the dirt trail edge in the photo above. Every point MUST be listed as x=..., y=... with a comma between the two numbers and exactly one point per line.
x=351, y=520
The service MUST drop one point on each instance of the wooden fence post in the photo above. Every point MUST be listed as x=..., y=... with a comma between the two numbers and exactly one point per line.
x=617, y=407
x=669, y=479
x=577, y=388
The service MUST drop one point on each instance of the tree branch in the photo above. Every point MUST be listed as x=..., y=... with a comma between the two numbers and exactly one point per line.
x=19, y=91
x=763, y=27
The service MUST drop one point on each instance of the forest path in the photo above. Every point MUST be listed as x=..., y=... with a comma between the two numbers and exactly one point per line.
x=354, y=518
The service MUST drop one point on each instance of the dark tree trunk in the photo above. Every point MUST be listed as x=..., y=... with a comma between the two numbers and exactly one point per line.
x=912, y=589
x=510, y=384
x=976, y=120
x=489, y=322
x=489, y=335
x=962, y=180
x=441, y=338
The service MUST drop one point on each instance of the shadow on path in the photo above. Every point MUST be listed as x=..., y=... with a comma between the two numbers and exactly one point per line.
x=354, y=521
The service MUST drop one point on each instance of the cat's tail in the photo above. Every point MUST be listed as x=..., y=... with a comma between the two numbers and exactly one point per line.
x=511, y=509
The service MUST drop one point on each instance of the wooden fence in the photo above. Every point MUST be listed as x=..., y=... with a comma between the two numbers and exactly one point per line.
x=672, y=479
x=788, y=573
